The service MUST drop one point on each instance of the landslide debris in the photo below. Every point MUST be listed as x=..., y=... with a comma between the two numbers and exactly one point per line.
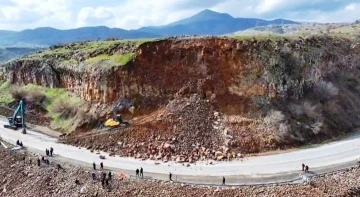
x=20, y=178
x=187, y=129
x=245, y=96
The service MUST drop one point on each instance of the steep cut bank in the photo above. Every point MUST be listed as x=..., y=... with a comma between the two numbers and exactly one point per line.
x=200, y=98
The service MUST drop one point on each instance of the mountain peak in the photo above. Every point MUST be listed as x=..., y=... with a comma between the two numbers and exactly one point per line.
x=208, y=14
x=205, y=15
x=208, y=11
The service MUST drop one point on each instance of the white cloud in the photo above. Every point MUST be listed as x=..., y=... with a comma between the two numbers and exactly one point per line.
x=137, y=13
x=350, y=7
x=268, y=5
x=342, y=15
x=132, y=14
x=20, y=14
x=93, y=16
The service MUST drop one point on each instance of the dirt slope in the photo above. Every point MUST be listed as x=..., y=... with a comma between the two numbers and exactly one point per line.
x=199, y=98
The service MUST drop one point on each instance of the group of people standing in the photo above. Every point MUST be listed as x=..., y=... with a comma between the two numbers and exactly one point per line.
x=105, y=177
x=140, y=172
x=49, y=152
x=19, y=143
x=305, y=168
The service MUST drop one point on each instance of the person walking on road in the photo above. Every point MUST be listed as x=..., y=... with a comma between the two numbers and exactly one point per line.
x=306, y=169
x=101, y=165
x=137, y=172
x=94, y=166
x=107, y=182
x=223, y=182
x=59, y=167
x=93, y=175
x=141, y=172
x=103, y=175
x=170, y=176
x=103, y=183
x=47, y=152
x=109, y=175
x=51, y=151
x=303, y=167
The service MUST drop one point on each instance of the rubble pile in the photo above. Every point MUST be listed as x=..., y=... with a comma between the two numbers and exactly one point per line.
x=22, y=178
x=188, y=129
x=197, y=127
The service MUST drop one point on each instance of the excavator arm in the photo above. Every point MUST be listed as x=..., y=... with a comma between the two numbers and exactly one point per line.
x=117, y=119
x=18, y=118
x=121, y=105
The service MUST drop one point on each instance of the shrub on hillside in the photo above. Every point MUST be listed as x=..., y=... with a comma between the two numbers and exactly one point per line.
x=312, y=111
x=30, y=96
x=64, y=108
x=325, y=90
x=274, y=118
x=296, y=110
x=111, y=39
x=18, y=93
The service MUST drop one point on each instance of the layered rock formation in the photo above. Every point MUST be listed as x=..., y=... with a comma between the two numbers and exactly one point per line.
x=268, y=93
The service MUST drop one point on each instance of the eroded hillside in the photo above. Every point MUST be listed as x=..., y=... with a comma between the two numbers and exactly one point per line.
x=199, y=98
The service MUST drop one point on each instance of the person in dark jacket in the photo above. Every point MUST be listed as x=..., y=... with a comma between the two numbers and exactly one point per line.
x=94, y=166
x=137, y=172
x=223, y=182
x=101, y=165
x=93, y=175
x=107, y=182
x=103, y=183
x=141, y=172
x=303, y=167
x=109, y=175
x=51, y=151
x=170, y=176
x=306, y=169
x=38, y=161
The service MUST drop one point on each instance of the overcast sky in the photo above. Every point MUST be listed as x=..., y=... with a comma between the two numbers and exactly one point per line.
x=132, y=14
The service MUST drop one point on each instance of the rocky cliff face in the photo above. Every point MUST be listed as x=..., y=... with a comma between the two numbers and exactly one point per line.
x=209, y=66
x=269, y=92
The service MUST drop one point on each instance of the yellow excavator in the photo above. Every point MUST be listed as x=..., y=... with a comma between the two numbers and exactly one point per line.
x=117, y=119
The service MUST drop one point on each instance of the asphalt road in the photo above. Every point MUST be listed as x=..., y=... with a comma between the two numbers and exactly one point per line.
x=252, y=170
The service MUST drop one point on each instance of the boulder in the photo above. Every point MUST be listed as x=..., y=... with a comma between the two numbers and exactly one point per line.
x=218, y=154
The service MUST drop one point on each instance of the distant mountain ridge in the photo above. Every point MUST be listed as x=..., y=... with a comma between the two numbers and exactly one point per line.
x=206, y=22
x=50, y=36
x=9, y=53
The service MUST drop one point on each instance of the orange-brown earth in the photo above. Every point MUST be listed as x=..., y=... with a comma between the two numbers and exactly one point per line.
x=218, y=98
